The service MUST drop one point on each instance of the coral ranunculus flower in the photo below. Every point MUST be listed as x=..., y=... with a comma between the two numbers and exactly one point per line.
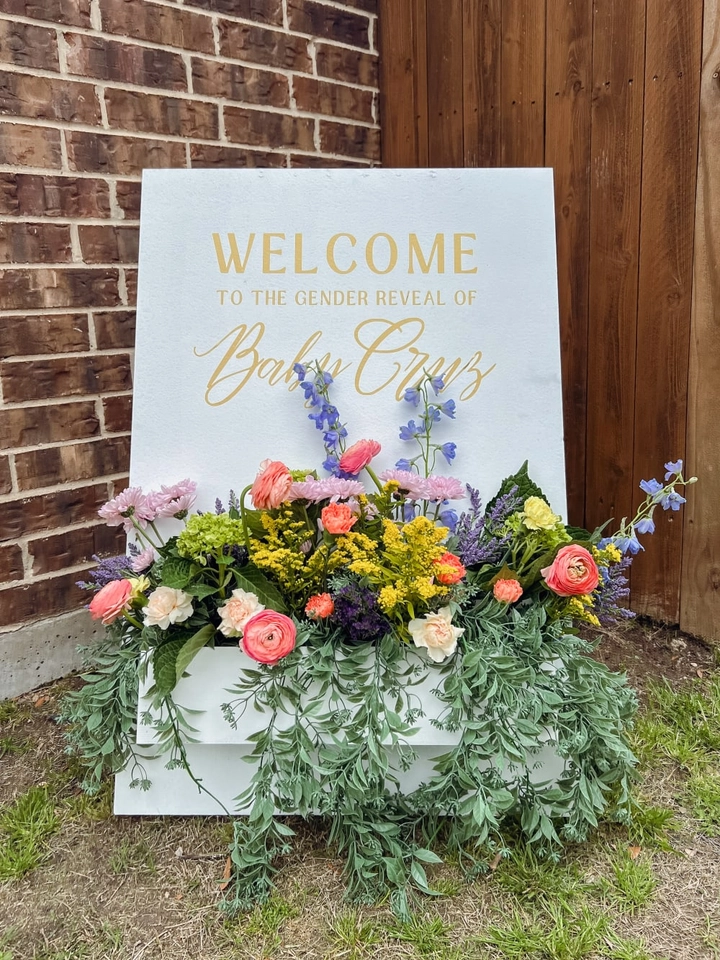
x=111, y=601
x=358, y=456
x=338, y=518
x=320, y=606
x=449, y=569
x=272, y=485
x=507, y=591
x=268, y=636
x=572, y=572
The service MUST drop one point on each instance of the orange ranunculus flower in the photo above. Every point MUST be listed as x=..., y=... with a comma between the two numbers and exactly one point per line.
x=111, y=601
x=320, y=606
x=572, y=572
x=272, y=485
x=450, y=569
x=338, y=518
x=358, y=456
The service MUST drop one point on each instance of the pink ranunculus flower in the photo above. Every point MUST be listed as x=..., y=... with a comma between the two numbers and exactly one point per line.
x=436, y=633
x=111, y=601
x=167, y=605
x=358, y=456
x=272, y=485
x=572, y=572
x=507, y=591
x=338, y=518
x=269, y=636
x=237, y=611
x=320, y=606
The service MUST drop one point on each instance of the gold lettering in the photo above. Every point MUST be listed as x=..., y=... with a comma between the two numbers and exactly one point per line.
x=268, y=252
x=370, y=253
x=332, y=263
x=234, y=258
x=438, y=248
x=299, y=256
x=461, y=251
x=392, y=338
x=238, y=350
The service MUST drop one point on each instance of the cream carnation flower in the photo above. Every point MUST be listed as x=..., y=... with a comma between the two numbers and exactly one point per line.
x=537, y=514
x=165, y=606
x=237, y=611
x=436, y=632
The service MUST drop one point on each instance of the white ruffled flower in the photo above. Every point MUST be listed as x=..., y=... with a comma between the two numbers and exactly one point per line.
x=237, y=611
x=167, y=605
x=436, y=633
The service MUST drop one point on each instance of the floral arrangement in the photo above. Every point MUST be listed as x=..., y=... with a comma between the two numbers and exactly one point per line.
x=353, y=584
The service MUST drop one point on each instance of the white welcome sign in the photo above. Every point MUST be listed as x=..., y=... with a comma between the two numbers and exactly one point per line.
x=378, y=274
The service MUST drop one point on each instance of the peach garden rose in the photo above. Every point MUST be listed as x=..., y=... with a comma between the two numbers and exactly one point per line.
x=507, y=591
x=165, y=606
x=237, y=611
x=436, y=633
x=338, y=518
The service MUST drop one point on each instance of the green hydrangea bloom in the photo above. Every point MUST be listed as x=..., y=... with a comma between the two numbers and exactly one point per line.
x=209, y=533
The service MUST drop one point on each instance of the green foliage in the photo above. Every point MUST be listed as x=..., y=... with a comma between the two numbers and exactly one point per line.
x=632, y=885
x=252, y=580
x=563, y=936
x=526, y=487
x=101, y=717
x=429, y=935
x=541, y=882
x=649, y=826
x=352, y=936
x=702, y=792
x=191, y=647
x=267, y=918
x=681, y=725
x=25, y=829
x=518, y=683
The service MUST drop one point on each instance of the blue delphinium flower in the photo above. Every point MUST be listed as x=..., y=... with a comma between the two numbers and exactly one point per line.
x=300, y=370
x=403, y=464
x=651, y=487
x=673, y=467
x=448, y=408
x=438, y=384
x=448, y=450
x=449, y=518
x=410, y=430
x=645, y=525
x=629, y=543
x=672, y=501
x=412, y=396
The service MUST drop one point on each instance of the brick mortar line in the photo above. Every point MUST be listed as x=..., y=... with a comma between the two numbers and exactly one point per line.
x=59, y=312
x=68, y=487
x=58, y=402
x=151, y=44
x=58, y=444
x=163, y=91
x=65, y=528
x=71, y=355
x=67, y=126
x=40, y=577
x=40, y=221
x=68, y=265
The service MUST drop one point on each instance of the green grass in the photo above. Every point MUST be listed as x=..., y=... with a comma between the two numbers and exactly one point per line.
x=128, y=857
x=351, y=936
x=25, y=829
x=535, y=881
x=559, y=935
x=681, y=725
x=632, y=884
x=264, y=923
x=621, y=949
x=429, y=935
x=702, y=795
x=651, y=825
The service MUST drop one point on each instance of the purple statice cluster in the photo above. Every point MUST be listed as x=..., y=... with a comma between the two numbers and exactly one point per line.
x=108, y=569
x=358, y=614
x=479, y=533
x=612, y=592
x=314, y=383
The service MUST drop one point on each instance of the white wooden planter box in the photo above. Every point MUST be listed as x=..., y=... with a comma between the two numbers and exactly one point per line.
x=217, y=756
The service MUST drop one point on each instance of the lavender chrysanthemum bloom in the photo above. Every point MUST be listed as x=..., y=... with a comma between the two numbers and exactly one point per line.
x=143, y=560
x=410, y=483
x=107, y=570
x=443, y=488
x=613, y=589
x=358, y=614
x=129, y=505
x=332, y=488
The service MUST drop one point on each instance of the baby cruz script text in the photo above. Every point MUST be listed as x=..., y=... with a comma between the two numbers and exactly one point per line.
x=391, y=353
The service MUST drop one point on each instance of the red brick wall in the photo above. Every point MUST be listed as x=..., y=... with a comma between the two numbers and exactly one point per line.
x=91, y=92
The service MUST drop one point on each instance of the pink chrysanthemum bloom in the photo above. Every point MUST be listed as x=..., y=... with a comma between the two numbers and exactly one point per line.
x=410, y=483
x=443, y=488
x=131, y=504
x=175, y=500
x=331, y=488
x=143, y=560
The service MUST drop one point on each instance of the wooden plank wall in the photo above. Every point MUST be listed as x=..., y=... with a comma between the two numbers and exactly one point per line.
x=615, y=95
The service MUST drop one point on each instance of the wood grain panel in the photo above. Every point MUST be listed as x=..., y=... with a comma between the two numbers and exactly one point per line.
x=567, y=151
x=672, y=90
x=398, y=82
x=700, y=587
x=445, y=83
x=482, y=53
x=523, y=83
x=616, y=160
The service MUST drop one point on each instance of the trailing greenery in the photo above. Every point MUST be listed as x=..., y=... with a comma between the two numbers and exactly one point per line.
x=339, y=731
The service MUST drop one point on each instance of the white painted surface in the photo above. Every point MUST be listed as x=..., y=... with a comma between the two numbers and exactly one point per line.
x=218, y=436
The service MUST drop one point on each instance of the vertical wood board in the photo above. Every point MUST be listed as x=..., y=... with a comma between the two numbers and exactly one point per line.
x=567, y=151
x=398, y=72
x=700, y=586
x=523, y=83
x=482, y=50
x=672, y=82
x=445, y=83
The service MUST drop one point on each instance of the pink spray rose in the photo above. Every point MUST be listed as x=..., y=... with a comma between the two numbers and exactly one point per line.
x=572, y=572
x=337, y=518
x=358, y=456
x=268, y=636
x=272, y=485
x=507, y=591
x=111, y=601
x=234, y=614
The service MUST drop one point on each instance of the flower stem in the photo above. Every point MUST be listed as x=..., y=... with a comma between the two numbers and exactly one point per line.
x=243, y=517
